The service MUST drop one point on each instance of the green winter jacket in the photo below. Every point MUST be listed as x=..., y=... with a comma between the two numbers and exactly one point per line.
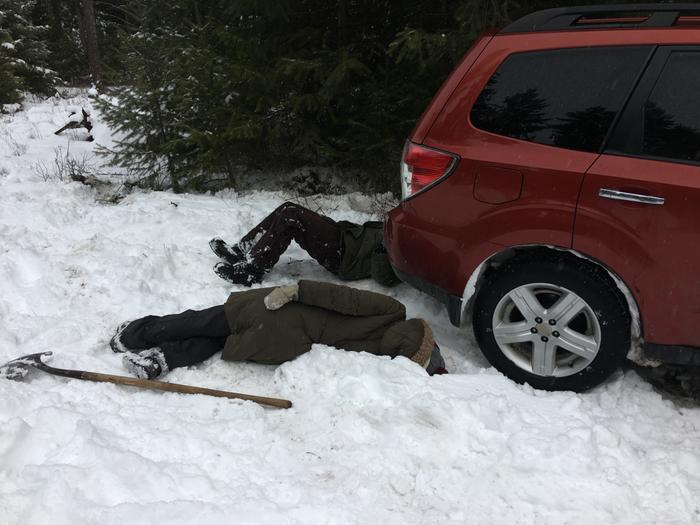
x=325, y=313
x=362, y=253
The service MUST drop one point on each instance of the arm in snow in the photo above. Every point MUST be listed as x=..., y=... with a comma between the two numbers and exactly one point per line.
x=346, y=300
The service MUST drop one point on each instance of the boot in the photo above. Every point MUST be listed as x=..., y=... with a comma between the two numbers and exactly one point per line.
x=147, y=364
x=232, y=254
x=245, y=274
x=116, y=343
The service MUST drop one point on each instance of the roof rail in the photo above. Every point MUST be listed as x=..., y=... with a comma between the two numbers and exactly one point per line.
x=607, y=16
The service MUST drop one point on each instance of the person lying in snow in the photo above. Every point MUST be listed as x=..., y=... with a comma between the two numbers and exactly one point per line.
x=274, y=325
x=350, y=251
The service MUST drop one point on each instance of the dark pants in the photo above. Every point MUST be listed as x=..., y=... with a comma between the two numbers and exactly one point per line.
x=315, y=233
x=185, y=339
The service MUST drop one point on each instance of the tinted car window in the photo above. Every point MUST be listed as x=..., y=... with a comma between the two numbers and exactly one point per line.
x=672, y=113
x=566, y=97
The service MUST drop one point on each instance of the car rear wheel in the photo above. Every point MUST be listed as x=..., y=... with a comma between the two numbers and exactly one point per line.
x=556, y=325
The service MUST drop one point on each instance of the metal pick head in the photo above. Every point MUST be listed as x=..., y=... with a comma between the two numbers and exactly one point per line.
x=17, y=369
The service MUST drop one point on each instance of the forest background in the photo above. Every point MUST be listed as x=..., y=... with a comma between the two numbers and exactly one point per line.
x=201, y=91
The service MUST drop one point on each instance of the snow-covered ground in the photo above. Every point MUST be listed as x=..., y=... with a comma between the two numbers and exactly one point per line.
x=369, y=440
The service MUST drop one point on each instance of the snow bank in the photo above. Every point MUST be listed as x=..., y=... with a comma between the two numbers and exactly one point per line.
x=369, y=440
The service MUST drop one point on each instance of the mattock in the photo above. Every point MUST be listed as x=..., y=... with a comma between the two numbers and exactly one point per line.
x=17, y=369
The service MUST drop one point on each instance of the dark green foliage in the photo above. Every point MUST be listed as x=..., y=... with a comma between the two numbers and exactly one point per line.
x=279, y=85
x=186, y=96
x=65, y=34
x=23, y=53
x=62, y=37
x=9, y=83
x=217, y=87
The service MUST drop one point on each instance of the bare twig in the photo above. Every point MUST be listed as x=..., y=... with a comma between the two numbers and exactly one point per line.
x=66, y=167
x=16, y=148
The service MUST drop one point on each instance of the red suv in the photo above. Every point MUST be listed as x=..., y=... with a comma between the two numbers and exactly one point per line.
x=551, y=193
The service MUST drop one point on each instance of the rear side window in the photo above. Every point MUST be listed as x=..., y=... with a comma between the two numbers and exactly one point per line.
x=672, y=113
x=565, y=97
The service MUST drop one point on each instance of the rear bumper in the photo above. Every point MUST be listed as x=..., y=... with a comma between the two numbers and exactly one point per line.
x=453, y=303
x=673, y=354
x=403, y=241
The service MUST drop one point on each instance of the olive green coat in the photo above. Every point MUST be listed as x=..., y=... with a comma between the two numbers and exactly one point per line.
x=324, y=313
x=363, y=254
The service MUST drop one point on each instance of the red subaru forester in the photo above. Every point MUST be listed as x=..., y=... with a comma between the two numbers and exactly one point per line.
x=551, y=193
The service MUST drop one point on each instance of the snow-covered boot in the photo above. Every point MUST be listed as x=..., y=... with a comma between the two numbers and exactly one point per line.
x=116, y=343
x=232, y=254
x=243, y=273
x=147, y=364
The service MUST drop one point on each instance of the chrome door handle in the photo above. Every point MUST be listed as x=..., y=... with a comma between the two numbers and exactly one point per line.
x=630, y=197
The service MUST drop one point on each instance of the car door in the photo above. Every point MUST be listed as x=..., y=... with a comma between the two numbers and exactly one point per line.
x=639, y=206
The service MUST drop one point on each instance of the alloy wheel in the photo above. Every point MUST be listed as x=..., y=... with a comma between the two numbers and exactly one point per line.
x=546, y=330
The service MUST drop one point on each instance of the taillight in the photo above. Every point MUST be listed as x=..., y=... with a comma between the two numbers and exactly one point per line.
x=422, y=167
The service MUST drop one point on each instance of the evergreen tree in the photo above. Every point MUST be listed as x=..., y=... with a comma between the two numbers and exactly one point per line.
x=83, y=37
x=143, y=108
x=23, y=53
x=255, y=83
x=190, y=102
x=9, y=83
x=60, y=17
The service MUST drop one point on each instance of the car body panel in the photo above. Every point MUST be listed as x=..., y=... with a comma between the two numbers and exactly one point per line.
x=445, y=92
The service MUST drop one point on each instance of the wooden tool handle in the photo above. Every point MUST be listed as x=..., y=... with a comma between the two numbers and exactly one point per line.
x=183, y=389
x=151, y=384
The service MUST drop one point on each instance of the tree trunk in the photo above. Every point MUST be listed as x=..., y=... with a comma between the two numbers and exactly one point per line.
x=89, y=27
x=342, y=23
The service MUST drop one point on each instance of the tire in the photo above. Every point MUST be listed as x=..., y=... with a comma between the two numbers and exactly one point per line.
x=559, y=324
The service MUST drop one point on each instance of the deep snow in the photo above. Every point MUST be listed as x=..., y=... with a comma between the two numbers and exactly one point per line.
x=369, y=440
